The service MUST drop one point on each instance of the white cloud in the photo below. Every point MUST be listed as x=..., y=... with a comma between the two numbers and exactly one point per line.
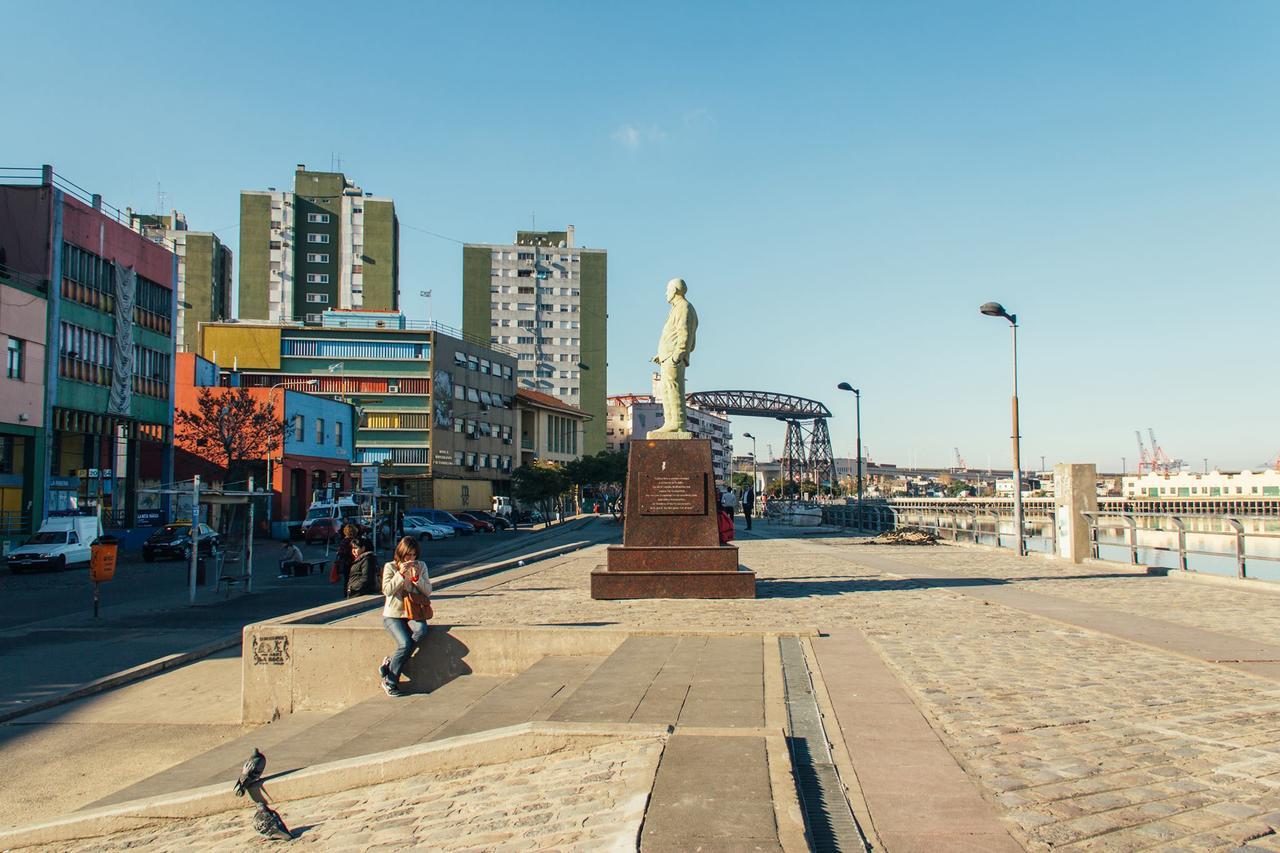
x=632, y=137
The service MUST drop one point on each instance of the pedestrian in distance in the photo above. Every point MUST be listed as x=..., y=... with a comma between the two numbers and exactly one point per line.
x=748, y=502
x=345, y=556
x=407, y=588
x=360, y=580
x=291, y=563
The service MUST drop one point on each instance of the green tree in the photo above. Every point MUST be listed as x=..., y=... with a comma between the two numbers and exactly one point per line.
x=740, y=480
x=603, y=474
x=539, y=485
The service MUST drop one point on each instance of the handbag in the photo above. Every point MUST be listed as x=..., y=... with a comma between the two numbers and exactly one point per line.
x=333, y=572
x=417, y=606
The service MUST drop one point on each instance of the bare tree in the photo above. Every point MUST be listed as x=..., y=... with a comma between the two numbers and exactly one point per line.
x=228, y=427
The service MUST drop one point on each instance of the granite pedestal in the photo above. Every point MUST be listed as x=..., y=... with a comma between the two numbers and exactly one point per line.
x=670, y=536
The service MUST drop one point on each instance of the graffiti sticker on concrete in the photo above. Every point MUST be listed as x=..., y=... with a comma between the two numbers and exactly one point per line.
x=271, y=651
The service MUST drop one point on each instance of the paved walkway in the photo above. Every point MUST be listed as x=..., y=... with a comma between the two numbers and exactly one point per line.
x=978, y=701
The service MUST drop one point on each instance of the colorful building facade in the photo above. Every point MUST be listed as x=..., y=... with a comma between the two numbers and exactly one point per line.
x=437, y=410
x=108, y=371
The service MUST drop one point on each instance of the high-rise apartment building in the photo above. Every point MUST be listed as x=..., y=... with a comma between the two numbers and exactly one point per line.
x=547, y=299
x=326, y=245
x=204, y=272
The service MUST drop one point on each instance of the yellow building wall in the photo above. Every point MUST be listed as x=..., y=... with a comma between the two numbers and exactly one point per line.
x=461, y=495
x=246, y=347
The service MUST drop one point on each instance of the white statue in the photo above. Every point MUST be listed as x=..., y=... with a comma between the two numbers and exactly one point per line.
x=674, y=348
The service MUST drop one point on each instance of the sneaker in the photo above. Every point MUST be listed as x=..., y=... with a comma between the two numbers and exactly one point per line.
x=384, y=671
x=390, y=688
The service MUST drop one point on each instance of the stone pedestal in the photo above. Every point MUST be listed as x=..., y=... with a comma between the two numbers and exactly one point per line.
x=1075, y=491
x=670, y=537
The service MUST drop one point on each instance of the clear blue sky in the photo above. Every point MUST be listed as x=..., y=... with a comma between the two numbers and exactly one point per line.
x=841, y=185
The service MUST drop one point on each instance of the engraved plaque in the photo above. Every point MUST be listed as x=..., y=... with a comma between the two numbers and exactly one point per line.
x=673, y=494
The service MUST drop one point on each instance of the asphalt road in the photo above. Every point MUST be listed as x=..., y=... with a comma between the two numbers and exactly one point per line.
x=50, y=641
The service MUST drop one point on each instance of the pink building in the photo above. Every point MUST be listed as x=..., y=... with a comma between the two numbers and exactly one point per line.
x=22, y=436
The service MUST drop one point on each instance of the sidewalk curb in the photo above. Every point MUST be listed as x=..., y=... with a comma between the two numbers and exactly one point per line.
x=123, y=677
x=323, y=613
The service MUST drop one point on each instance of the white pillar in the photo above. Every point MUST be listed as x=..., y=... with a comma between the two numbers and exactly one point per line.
x=1075, y=492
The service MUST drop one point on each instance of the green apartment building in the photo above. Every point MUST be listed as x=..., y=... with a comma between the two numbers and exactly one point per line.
x=326, y=245
x=547, y=300
x=204, y=273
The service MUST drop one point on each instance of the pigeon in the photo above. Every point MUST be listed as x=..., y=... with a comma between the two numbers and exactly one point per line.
x=251, y=774
x=268, y=823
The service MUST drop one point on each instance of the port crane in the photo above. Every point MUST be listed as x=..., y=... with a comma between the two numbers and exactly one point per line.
x=1155, y=461
x=961, y=465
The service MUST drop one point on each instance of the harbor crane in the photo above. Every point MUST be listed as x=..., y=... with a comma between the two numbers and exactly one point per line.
x=1156, y=461
x=961, y=465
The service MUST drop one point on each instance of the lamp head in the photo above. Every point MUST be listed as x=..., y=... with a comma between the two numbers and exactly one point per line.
x=845, y=386
x=748, y=435
x=995, y=309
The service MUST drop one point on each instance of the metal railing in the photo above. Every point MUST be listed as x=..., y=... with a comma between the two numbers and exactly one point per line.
x=1134, y=541
x=959, y=522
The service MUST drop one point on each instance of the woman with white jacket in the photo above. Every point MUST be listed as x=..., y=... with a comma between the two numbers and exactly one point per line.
x=404, y=575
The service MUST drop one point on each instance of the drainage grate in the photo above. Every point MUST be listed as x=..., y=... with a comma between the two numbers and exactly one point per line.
x=829, y=822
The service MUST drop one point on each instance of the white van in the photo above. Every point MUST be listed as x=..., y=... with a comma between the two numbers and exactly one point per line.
x=60, y=542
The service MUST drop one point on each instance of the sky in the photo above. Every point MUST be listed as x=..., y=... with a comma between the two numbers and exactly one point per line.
x=841, y=185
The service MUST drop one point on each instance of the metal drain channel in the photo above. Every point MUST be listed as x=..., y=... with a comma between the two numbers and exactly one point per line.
x=828, y=820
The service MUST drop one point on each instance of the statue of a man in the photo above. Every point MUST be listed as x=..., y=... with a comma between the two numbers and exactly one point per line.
x=674, y=348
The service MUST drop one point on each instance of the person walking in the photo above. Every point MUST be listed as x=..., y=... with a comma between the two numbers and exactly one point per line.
x=748, y=501
x=404, y=577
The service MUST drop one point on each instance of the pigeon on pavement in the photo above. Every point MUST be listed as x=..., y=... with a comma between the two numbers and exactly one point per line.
x=251, y=773
x=268, y=823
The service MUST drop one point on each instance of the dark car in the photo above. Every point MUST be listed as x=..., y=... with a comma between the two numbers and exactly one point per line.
x=476, y=521
x=498, y=522
x=439, y=516
x=173, y=541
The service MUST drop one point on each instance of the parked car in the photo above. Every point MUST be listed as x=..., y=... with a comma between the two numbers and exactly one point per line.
x=439, y=516
x=480, y=524
x=497, y=521
x=60, y=542
x=420, y=527
x=173, y=541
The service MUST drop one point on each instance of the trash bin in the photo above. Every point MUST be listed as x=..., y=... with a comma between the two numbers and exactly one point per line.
x=200, y=570
x=102, y=560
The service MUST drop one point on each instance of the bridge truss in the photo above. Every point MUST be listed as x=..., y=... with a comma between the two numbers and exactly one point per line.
x=807, y=451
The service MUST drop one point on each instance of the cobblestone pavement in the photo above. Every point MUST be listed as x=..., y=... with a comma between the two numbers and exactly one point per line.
x=1086, y=741
x=587, y=799
x=1249, y=615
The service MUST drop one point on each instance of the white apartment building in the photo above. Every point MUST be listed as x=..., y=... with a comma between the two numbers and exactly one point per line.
x=1215, y=484
x=633, y=415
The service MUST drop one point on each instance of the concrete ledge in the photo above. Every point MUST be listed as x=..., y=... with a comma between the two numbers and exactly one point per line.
x=288, y=667
x=477, y=750
x=1239, y=584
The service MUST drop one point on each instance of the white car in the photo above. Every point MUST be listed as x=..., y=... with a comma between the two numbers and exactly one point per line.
x=416, y=525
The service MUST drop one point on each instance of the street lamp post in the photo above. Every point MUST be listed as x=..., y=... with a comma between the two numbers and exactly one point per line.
x=857, y=407
x=755, y=469
x=995, y=309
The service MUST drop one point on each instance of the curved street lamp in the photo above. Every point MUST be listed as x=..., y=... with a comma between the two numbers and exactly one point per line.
x=857, y=397
x=995, y=309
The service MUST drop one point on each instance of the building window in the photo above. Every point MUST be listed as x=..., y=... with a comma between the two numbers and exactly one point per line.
x=337, y=433
x=322, y=298
x=317, y=217
x=319, y=430
x=14, y=370
x=317, y=258
x=298, y=424
x=313, y=318
x=317, y=238
x=317, y=278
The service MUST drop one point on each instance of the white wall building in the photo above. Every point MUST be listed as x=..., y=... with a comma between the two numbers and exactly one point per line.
x=633, y=415
x=1215, y=484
